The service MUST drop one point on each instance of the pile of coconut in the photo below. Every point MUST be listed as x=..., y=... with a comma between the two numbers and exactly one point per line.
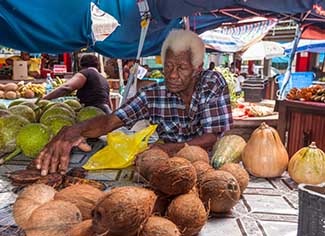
x=183, y=191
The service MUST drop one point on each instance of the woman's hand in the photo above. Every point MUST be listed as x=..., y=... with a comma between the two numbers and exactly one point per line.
x=56, y=154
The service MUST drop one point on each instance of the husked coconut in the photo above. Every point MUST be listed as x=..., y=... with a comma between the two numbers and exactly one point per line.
x=82, y=229
x=193, y=153
x=84, y=196
x=54, y=218
x=219, y=190
x=2, y=94
x=161, y=204
x=28, y=93
x=148, y=160
x=239, y=173
x=28, y=200
x=123, y=210
x=188, y=213
x=159, y=226
x=201, y=168
x=174, y=176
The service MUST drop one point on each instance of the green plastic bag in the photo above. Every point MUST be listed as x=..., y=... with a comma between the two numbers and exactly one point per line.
x=121, y=150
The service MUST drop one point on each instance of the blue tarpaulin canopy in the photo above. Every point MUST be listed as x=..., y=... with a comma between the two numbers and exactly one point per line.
x=65, y=26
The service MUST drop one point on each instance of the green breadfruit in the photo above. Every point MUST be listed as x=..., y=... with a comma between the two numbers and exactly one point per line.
x=24, y=111
x=14, y=103
x=32, y=138
x=88, y=113
x=57, y=122
x=9, y=127
x=74, y=104
x=4, y=113
x=59, y=104
x=2, y=106
x=53, y=111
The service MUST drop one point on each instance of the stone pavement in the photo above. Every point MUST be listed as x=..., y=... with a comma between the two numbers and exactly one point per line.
x=268, y=207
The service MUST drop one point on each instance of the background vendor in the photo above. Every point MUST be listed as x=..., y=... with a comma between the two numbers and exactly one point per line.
x=93, y=88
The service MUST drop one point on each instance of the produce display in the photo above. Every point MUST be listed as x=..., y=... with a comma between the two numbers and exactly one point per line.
x=231, y=82
x=247, y=109
x=27, y=127
x=180, y=191
x=265, y=155
x=307, y=165
x=227, y=149
x=315, y=93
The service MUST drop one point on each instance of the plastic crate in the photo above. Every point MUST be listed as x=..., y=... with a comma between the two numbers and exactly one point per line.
x=254, y=89
x=297, y=80
x=311, y=210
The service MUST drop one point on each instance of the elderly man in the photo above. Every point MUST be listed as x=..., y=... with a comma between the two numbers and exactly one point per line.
x=192, y=106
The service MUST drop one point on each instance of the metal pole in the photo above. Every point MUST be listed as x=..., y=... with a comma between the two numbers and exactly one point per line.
x=287, y=75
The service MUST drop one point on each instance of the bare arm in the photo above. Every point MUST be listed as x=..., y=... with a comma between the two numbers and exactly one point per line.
x=56, y=154
x=76, y=82
x=205, y=141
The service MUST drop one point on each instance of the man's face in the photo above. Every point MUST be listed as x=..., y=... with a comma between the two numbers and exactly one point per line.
x=179, y=71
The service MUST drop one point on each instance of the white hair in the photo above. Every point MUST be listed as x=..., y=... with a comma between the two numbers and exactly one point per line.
x=184, y=40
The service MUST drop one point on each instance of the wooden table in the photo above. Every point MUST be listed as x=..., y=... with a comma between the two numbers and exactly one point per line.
x=300, y=123
x=246, y=126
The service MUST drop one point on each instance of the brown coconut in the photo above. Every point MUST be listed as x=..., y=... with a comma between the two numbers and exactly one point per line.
x=239, y=173
x=219, y=191
x=161, y=204
x=2, y=94
x=29, y=199
x=159, y=226
x=174, y=176
x=54, y=218
x=188, y=213
x=148, y=160
x=84, y=196
x=123, y=210
x=82, y=229
x=193, y=153
x=201, y=168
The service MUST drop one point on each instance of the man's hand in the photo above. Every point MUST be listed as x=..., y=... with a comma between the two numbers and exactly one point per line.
x=56, y=154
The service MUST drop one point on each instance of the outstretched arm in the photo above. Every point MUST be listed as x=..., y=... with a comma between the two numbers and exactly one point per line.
x=56, y=154
x=76, y=82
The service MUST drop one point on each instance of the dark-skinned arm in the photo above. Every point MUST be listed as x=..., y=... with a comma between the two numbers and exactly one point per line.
x=76, y=82
x=56, y=154
x=205, y=141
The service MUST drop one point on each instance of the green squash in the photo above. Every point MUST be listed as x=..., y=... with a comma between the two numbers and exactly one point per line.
x=228, y=149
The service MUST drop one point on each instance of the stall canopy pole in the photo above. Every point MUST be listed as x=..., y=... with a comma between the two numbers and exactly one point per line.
x=292, y=56
x=145, y=21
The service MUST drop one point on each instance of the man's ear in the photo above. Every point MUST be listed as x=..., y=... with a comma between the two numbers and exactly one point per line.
x=198, y=69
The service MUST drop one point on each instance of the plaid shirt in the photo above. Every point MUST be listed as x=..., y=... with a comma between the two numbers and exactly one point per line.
x=209, y=112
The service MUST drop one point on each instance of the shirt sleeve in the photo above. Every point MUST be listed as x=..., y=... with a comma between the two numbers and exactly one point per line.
x=216, y=114
x=134, y=109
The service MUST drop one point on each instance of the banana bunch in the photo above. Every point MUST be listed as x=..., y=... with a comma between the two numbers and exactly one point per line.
x=57, y=82
x=31, y=90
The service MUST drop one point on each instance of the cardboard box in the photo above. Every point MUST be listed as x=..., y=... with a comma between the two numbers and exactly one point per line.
x=20, y=70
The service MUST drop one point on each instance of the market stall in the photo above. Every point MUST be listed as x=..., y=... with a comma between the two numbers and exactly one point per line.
x=263, y=202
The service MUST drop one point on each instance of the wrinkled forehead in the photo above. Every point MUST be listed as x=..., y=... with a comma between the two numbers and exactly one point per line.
x=184, y=56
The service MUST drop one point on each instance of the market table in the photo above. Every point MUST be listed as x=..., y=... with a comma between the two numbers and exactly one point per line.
x=268, y=207
x=245, y=127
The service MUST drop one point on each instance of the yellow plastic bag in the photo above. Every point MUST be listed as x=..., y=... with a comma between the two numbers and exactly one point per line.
x=120, y=150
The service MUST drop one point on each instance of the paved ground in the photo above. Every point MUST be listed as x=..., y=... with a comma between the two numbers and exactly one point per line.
x=269, y=207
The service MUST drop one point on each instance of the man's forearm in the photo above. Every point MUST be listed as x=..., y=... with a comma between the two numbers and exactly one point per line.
x=100, y=125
